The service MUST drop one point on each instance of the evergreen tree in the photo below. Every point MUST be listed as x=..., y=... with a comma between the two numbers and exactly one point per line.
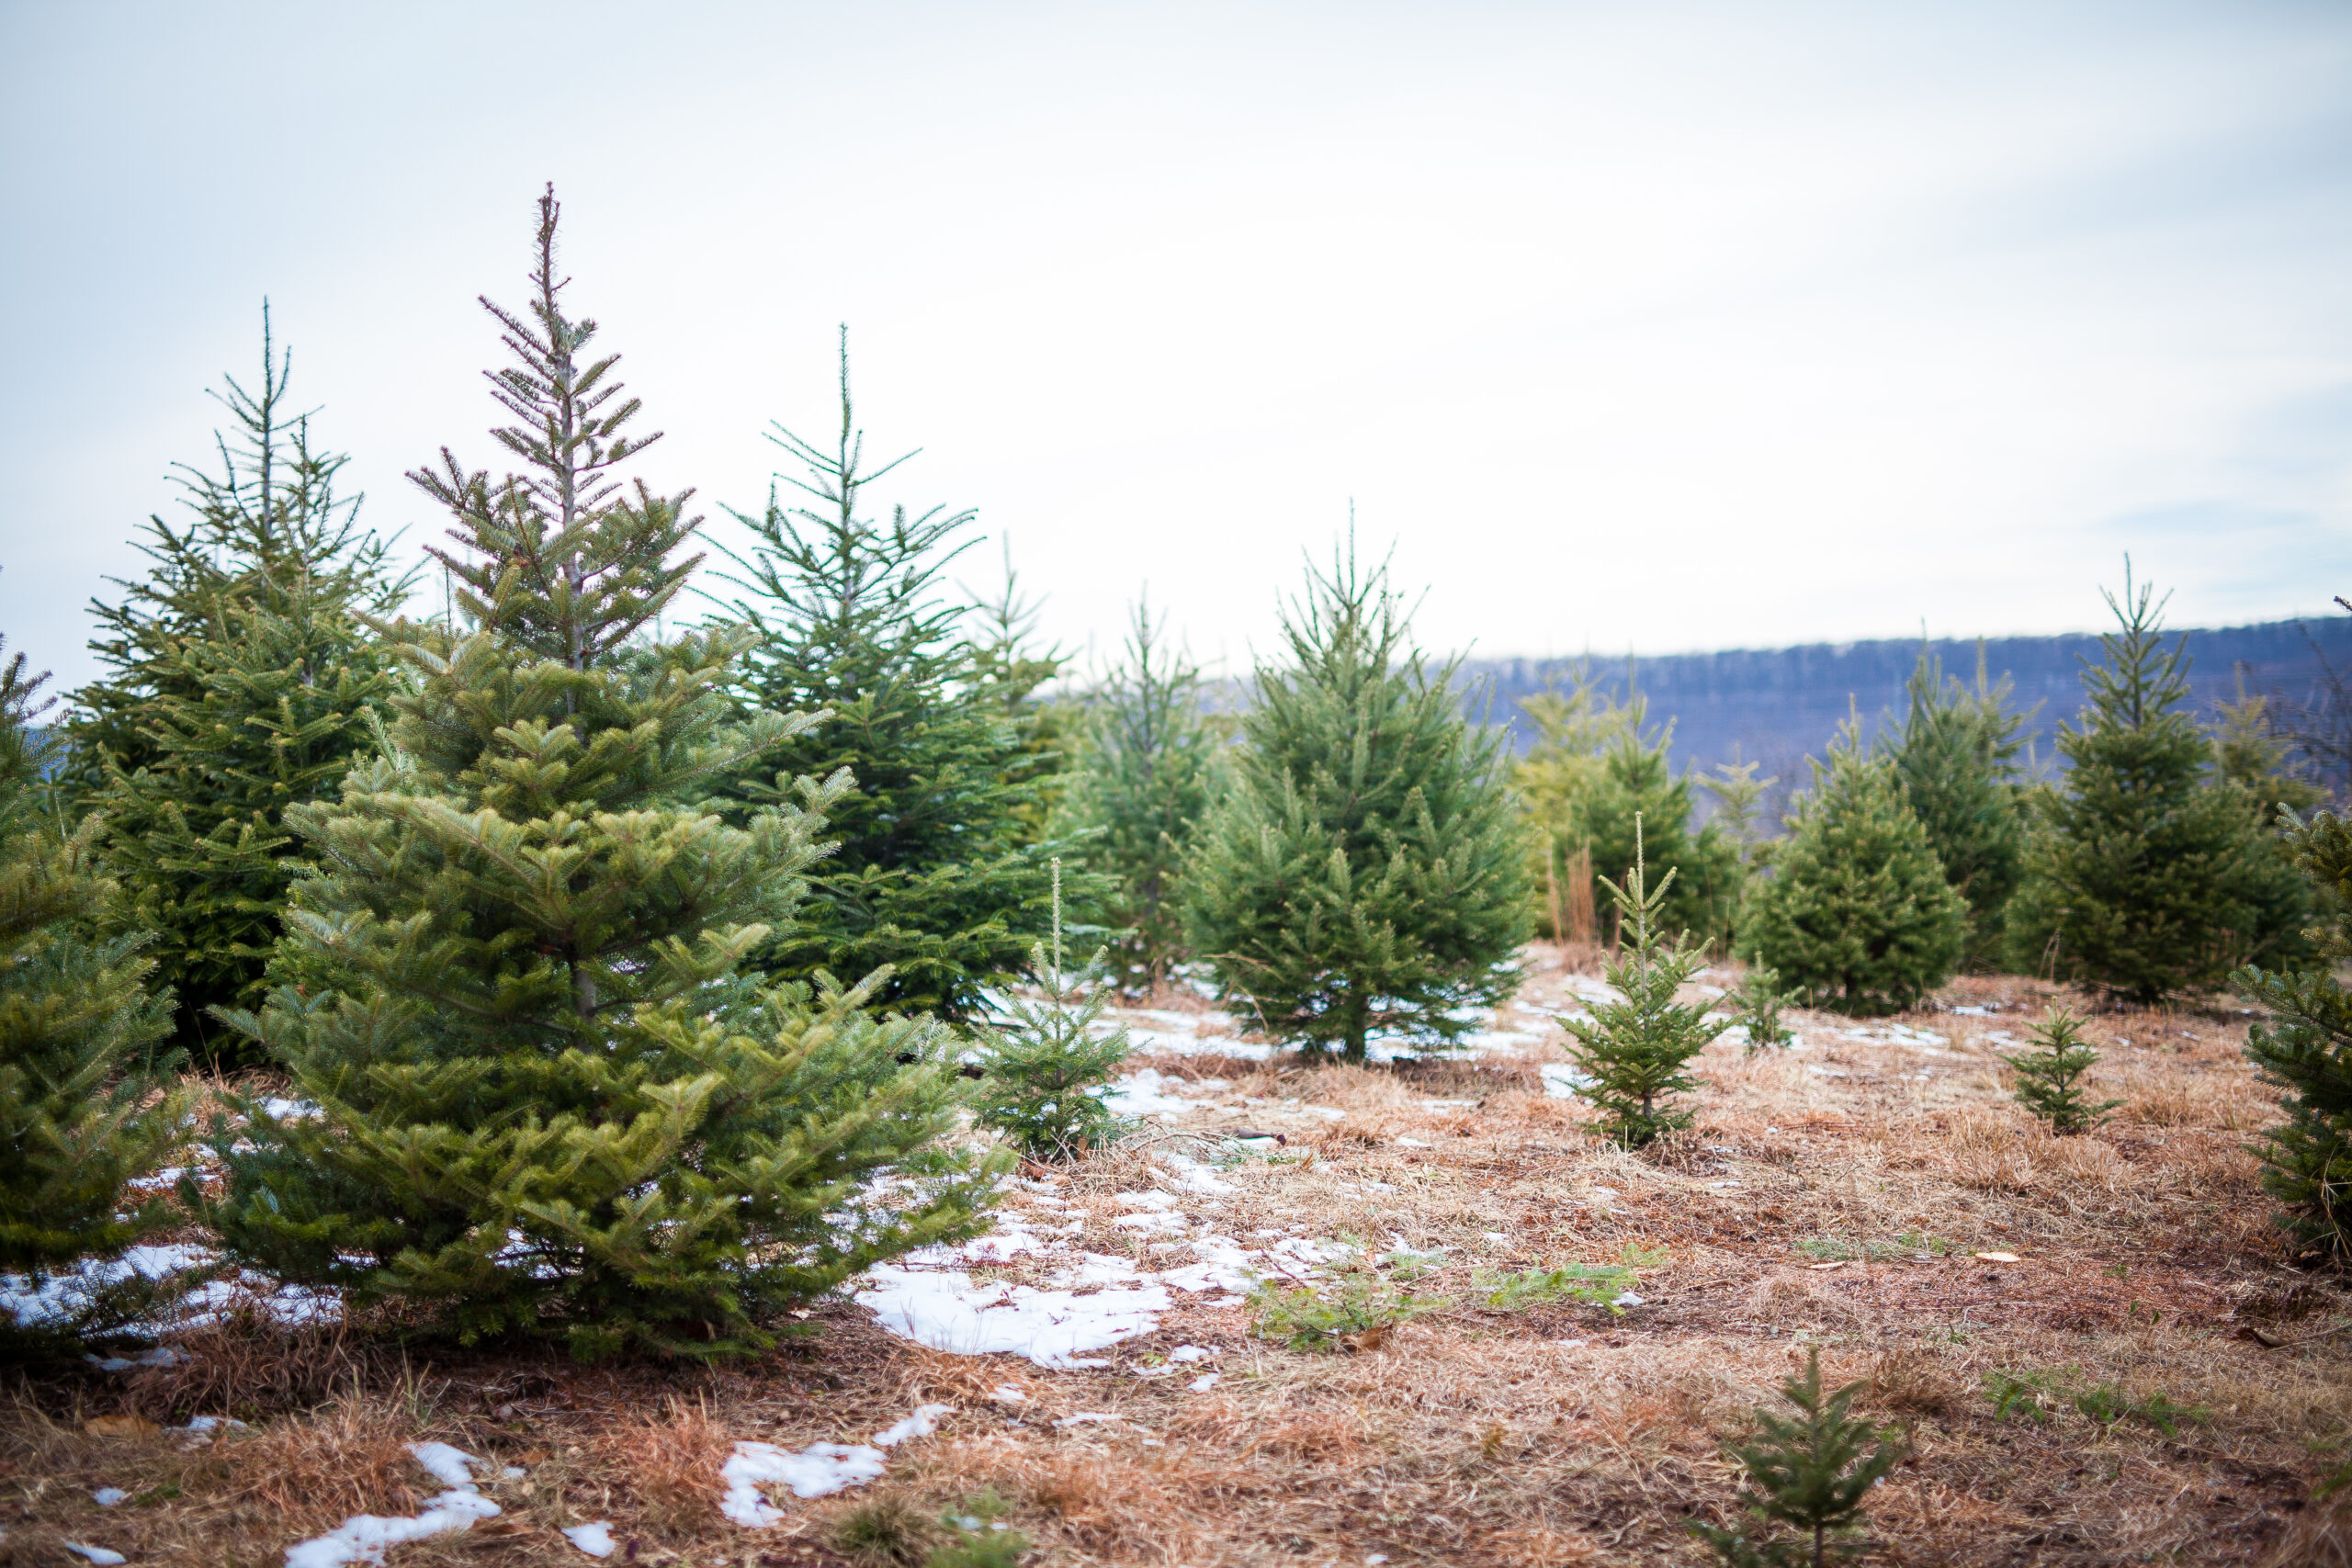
x=239, y=681
x=1636, y=1050
x=1593, y=771
x=937, y=871
x=1856, y=917
x=2049, y=1081
x=1813, y=1472
x=1149, y=763
x=84, y=1108
x=1043, y=1070
x=2304, y=1047
x=2145, y=878
x=1759, y=1002
x=1366, y=870
x=1739, y=797
x=1009, y=669
x=1955, y=752
x=2252, y=757
x=539, y=1091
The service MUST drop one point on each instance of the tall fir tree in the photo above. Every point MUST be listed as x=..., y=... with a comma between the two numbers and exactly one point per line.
x=1595, y=768
x=239, y=678
x=539, y=1091
x=1149, y=762
x=1366, y=872
x=938, y=869
x=2145, y=875
x=1857, y=916
x=1013, y=671
x=86, y=1105
x=1956, y=752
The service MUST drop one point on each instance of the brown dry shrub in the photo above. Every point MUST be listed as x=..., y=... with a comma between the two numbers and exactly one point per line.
x=2080, y=1163
x=246, y=1363
x=888, y=1529
x=351, y=1458
x=1788, y=1295
x=669, y=1463
x=2231, y=1105
x=931, y=1375
x=1911, y=1378
x=1987, y=1149
x=1105, y=1504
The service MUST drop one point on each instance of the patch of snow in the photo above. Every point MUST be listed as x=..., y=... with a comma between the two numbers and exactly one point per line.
x=1191, y=1353
x=161, y=1356
x=1205, y=1382
x=364, y=1538
x=1005, y=1393
x=1562, y=1080
x=595, y=1539
x=1089, y=1418
x=100, y=1555
x=1142, y=1093
x=1628, y=1299
x=817, y=1471
x=284, y=1110
x=1411, y=1144
x=1191, y=1173
x=108, y=1496
x=1969, y=1013
x=922, y=1424
x=945, y=1310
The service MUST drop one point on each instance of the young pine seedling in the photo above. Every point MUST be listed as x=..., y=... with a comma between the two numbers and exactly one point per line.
x=1760, y=1001
x=1041, y=1068
x=1811, y=1473
x=2049, y=1081
x=1634, y=1050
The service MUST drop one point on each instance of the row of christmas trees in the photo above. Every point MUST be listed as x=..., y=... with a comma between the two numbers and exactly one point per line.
x=620, y=973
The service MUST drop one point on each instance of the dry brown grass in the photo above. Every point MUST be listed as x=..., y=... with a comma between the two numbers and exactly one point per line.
x=1473, y=1437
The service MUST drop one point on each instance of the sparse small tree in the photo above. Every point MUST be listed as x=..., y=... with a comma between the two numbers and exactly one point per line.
x=2049, y=1081
x=1739, y=797
x=1636, y=1051
x=1148, y=763
x=1812, y=1473
x=1760, y=1001
x=1857, y=916
x=1044, y=1068
x=1367, y=868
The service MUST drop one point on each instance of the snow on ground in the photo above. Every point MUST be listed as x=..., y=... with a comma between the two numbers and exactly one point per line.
x=817, y=1471
x=364, y=1538
x=68, y=1292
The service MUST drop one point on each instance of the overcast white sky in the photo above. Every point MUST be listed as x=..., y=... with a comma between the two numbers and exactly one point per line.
x=1643, y=327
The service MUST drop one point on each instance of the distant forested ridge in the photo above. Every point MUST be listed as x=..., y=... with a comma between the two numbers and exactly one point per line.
x=1777, y=705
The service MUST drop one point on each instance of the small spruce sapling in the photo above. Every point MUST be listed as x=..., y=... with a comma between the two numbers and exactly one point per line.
x=1044, y=1067
x=1811, y=1473
x=1635, y=1050
x=2049, y=1081
x=1760, y=1001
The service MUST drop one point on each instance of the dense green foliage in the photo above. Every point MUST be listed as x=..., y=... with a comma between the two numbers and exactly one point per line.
x=1636, y=1050
x=1149, y=764
x=1366, y=871
x=239, y=681
x=538, y=1091
x=2305, y=1048
x=1856, y=917
x=1956, y=754
x=1594, y=769
x=2146, y=877
x=1044, y=1065
x=938, y=871
x=80, y=1115
x=1813, y=1472
x=2049, y=1082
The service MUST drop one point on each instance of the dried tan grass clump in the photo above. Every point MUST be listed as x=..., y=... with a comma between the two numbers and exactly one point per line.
x=319, y=1468
x=1104, y=1503
x=1794, y=1296
x=887, y=1529
x=1990, y=1148
x=1540, y=1546
x=1913, y=1380
x=245, y=1362
x=2320, y=1537
x=669, y=1463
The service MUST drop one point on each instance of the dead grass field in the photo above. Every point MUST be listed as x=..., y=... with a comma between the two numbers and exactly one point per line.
x=1833, y=1195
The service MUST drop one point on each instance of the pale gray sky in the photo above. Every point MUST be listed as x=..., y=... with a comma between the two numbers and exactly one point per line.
x=1636, y=326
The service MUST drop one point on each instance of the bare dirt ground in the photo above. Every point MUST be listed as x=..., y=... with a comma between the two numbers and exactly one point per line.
x=1836, y=1194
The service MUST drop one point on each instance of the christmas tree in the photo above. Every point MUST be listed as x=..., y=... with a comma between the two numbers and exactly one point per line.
x=1856, y=917
x=1009, y=670
x=1043, y=1066
x=538, y=1091
x=1636, y=1051
x=2304, y=1047
x=1594, y=768
x=1956, y=753
x=1366, y=872
x=2049, y=1082
x=1813, y=1472
x=938, y=872
x=84, y=1108
x=1148, y=766
x=2252, y=756
x=2146, y=876
x=239, y=681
